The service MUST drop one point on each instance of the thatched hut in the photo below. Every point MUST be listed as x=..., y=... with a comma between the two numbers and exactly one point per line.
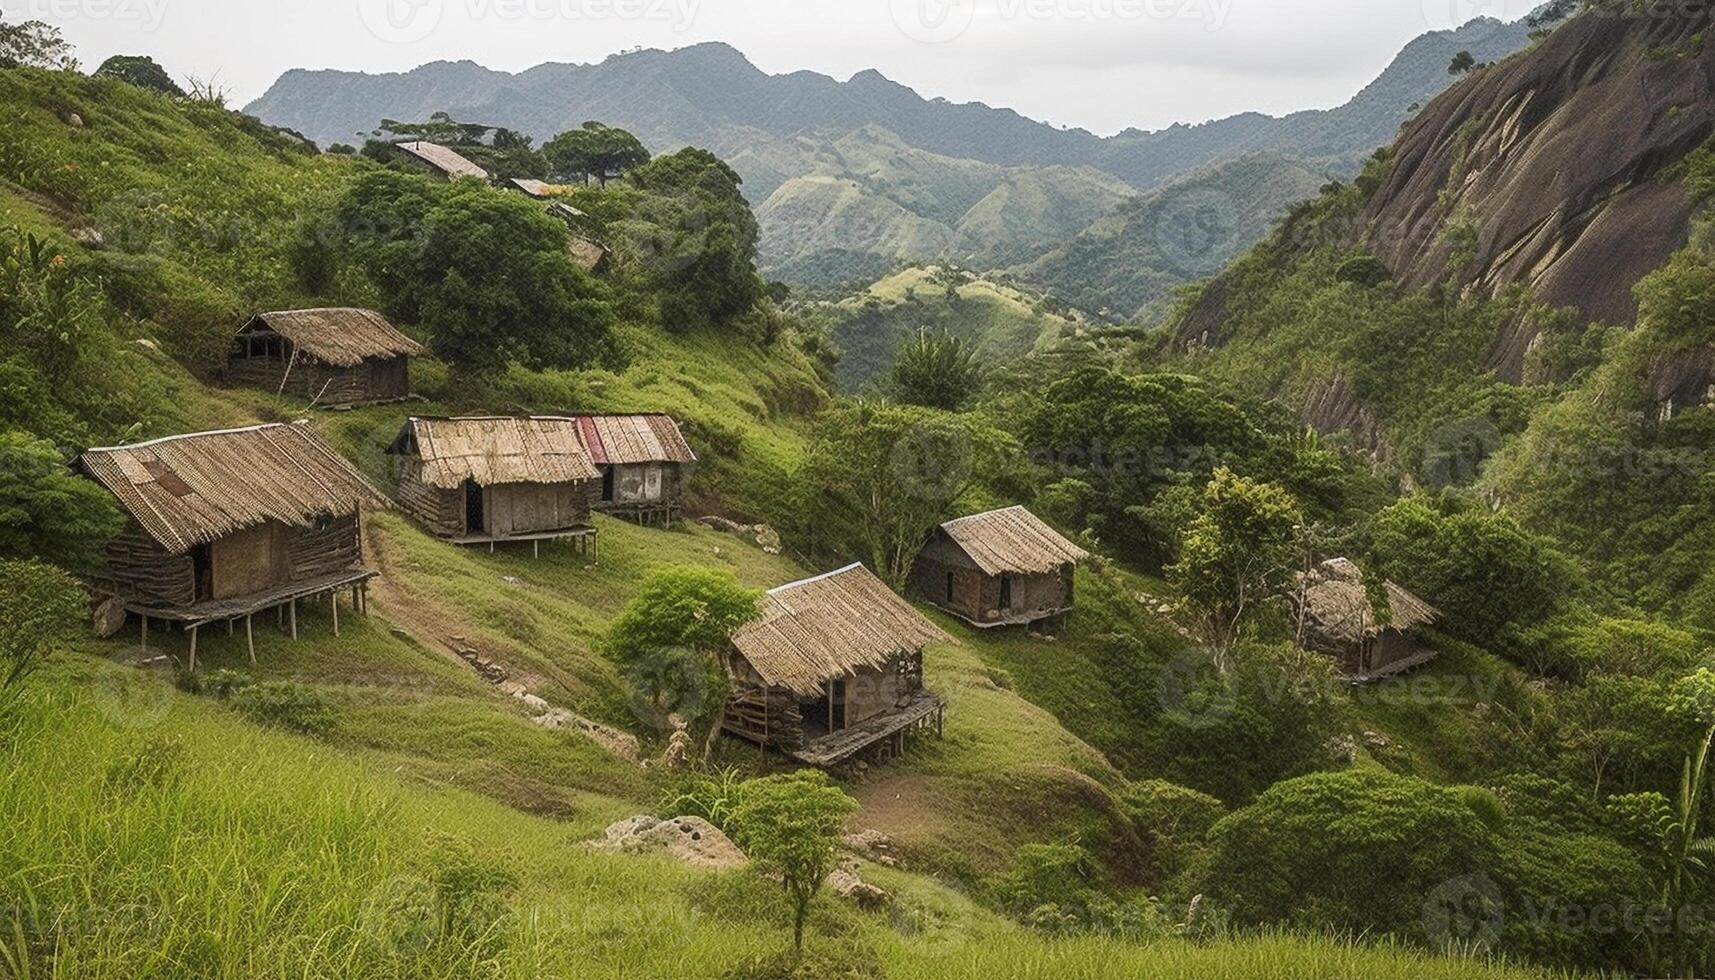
x=832, y=669
x=645, y=464
x=441, y=161
x=1340, y=619
x=328, y=356
x=224, y=525
x=486, y=480
x=1002, y=568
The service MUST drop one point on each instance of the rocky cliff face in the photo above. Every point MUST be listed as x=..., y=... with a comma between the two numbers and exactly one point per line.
x=1548, y=170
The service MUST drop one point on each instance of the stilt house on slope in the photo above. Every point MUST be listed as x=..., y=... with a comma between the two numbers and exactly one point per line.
x=1340, y=620
x=645, y=464
x=1002, y=568
x=326, y=356
x=227, y=524
x=832, y=669
x=486, y=480
x=441, y=161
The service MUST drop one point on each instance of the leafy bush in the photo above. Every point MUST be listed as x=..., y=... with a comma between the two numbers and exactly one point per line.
x=1176, y=818
x=40, y=608
x=790, y=825
x=46, y=511
x=282, y=704
x=1059, y=888
x=1310, y=851
x=715, y=797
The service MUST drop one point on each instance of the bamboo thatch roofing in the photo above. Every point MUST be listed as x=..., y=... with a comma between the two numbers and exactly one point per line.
x=628, y=439
x=831, y=626
x=493, y=450
x=443, y=158
x=340, y=337
x=1012, y=541
x=588, y=253
x=190, y=490
x=1338, y=609
x=534, y=188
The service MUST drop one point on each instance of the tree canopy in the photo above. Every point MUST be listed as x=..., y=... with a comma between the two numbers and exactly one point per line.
x=141, y=71
x=791, y=825
x=594, y=151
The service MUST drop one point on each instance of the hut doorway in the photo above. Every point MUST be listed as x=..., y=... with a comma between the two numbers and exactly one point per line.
x=474, y=518
x=1005, y=593
x=607, y=484
x=950, y=584
x=202, y=572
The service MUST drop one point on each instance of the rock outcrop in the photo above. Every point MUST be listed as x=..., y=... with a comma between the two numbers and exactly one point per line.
x=692, y=840
x=1554, y=161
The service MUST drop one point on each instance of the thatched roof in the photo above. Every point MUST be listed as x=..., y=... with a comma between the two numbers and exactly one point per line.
x=340, y=337
x=830, y=626
x=534, y=188
x=491, y=450
x=1338, y=609
x=1012, y=541
x=629, y=439
x=192, y=489
x=443, y=158
x=588, y=253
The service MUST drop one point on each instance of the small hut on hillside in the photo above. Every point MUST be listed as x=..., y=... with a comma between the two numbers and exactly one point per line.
x=1339, y=619
x=227, y=524
x=832, y=669
x=442, y=161
x=328, y=356
x=645, y=464
x=486, y=480
x=1002, y=568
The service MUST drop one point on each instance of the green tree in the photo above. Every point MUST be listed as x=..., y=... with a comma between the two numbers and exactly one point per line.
x=487, y=273
x=34, y=44
x=1237, y=553
x=878, y=478
x=936, y=370
x=1488, y=576
x=594, y=150
x=41, y=607
x=1462, y=62
x=670, y=637
x=693, y=237
x=141, y=71
x=791, y=825
x=47, y=512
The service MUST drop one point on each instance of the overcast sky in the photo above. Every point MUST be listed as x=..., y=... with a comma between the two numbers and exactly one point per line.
x=1100, y=64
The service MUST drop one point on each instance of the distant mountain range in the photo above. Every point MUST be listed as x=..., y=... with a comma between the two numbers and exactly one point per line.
x=857, y=176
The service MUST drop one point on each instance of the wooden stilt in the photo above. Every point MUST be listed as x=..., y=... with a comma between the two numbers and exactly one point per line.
x=250, y=639
x=229, y=627
x=292, y=616
x=280, y=617
x=333, y=601
x=145, y=632
x=194, y=631
x=536, y=548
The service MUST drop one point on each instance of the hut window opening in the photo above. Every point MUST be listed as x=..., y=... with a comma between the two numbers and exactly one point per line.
x=949, y=586
x=607, y=485
x=1005, y=592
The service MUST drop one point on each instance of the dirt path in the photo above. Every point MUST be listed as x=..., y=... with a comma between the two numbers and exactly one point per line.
x=434, y=628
